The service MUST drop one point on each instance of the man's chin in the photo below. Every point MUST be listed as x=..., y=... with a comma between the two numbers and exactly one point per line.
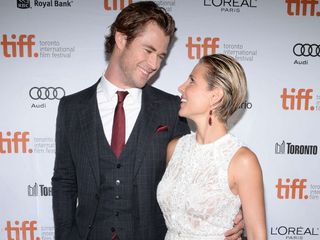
x=141, y=83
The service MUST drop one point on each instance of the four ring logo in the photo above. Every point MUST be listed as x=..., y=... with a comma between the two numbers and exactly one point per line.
x=306, y=50
x=44, y=93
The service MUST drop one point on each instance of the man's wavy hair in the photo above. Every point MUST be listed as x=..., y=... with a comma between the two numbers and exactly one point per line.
x=132, y=20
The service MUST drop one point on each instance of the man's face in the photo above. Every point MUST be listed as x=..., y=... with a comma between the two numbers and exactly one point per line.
x=141, y=59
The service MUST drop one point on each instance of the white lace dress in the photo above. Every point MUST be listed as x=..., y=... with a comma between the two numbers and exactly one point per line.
x=194, y=194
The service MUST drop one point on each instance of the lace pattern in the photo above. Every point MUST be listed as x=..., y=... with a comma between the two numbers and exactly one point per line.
x=194, y=194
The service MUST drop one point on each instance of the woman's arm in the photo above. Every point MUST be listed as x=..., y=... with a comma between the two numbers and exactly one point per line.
x=247, y=181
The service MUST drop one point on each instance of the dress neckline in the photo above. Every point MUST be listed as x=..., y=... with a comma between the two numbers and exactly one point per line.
x=215, y=142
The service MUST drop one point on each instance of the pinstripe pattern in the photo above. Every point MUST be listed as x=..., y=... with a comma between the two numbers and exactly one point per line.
x=77, y=174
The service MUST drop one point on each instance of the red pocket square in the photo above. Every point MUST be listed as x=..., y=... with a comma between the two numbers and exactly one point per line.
x=162, y=128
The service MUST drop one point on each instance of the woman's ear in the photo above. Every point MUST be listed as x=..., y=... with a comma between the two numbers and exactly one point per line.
x=216, y=96
x=120, y=40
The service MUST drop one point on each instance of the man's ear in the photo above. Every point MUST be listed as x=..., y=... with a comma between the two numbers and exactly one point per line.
x=120, y=40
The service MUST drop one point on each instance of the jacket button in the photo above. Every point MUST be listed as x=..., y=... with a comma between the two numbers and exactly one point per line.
x=117, y=214
x=97, y=196
x=118, y=165
x=90, y=226
x=117, y=197
x=117, y=182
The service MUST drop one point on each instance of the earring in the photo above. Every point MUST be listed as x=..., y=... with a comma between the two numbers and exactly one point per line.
x=210, y=120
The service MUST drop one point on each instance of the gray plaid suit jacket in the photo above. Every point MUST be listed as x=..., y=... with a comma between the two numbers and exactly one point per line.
x=75, y=182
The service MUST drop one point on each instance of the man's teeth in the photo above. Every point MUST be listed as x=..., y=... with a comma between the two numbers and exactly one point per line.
x=183, y=100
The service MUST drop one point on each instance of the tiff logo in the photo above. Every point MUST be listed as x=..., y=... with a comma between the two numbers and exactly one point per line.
x=291, y=189
x=25, y=231
x=199, y=48
x=294, y=100
x=115, y=4
x=11, y=47
x=33, y=191
x=15, y=144
x=304, y=4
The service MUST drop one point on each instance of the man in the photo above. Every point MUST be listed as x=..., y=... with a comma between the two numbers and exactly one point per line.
x=109, y=161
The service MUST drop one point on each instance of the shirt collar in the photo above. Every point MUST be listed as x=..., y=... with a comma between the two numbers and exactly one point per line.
x=110, y=90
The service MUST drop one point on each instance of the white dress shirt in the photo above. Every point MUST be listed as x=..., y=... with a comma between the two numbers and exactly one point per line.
x=107, y=100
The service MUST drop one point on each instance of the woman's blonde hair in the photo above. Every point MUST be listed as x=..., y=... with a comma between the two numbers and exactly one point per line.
x=226, y=73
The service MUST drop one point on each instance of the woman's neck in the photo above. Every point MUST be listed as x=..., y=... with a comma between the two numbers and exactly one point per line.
x=207, y=134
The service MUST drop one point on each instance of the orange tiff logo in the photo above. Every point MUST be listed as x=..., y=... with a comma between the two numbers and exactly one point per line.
x=305, y=5
x=115, y=4
x=291, y=189
x=17, y=45
x=15, y=144
x=21, y=231
x=298, y=99
x=200, y=47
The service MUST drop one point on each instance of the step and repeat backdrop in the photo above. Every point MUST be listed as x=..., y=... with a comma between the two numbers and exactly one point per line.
x=52, y=48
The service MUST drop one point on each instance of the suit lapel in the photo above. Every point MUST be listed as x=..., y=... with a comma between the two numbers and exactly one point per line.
x=147, y=122
x=88, y=123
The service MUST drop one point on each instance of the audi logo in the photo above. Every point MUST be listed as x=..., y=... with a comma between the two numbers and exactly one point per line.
x=306, y=50
x=44, y=93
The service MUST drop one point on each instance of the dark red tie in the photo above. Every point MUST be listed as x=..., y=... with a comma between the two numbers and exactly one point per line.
x=119, y=125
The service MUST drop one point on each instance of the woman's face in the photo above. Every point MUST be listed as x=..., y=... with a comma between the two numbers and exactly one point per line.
x=196, y=96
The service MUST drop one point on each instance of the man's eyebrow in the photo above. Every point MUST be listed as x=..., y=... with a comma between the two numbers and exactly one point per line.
x=153, y=49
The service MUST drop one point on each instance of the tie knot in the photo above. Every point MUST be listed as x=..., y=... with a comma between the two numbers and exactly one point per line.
x=121, y=96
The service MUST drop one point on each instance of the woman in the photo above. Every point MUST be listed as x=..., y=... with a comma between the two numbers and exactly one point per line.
x=210, y=174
